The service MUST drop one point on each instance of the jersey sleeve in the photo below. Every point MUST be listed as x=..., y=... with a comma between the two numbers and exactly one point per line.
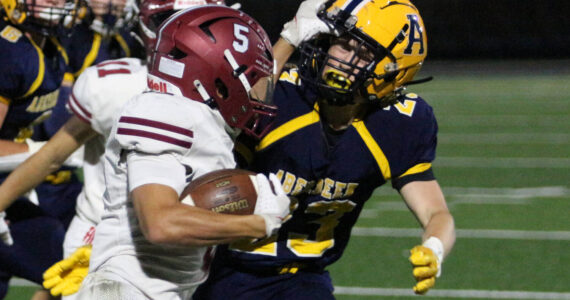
x=20, y=63
x=407, y=134
x=101, y=90
x=78, y=101
x=151, y=124
x=162, y=169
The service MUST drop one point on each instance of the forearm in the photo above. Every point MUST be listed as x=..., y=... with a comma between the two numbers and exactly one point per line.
x=441, y=225
x=26, y=176
x=33, y=171
x=165, y=220
x=191, y=226
x=282, y=51
x=10, y=147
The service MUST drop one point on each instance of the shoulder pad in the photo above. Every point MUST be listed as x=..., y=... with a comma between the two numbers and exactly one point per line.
x=11, y=34
x=156, y=123
x=291, y=76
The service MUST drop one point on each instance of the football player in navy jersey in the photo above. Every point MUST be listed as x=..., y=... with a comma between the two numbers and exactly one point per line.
x=33, y=63
x=345, y=126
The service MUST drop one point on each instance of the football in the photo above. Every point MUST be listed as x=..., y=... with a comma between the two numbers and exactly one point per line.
x=228, y=191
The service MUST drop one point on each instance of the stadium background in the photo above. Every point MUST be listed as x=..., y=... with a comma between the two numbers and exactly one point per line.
x=501, y=95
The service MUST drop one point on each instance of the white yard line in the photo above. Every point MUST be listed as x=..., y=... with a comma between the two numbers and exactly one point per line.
x=529, y=192
x=501, y=120
x=435, y=293
x=467, y=233
x=504, y=138
x=504, y=162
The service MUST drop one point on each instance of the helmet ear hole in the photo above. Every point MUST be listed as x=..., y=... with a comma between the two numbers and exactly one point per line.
x=391, y=76
x=221, y=89
x=176, y=53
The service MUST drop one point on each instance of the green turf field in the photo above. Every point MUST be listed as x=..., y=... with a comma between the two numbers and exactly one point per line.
x=504, y=164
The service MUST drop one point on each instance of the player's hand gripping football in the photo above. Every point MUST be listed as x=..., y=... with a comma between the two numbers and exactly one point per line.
x=272, y=202
x=5, y=235
x=65, y=277
x=426, y=260
x=305, y=25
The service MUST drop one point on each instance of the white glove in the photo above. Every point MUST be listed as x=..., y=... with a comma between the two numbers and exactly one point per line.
x=5, y=235
x=272, y=203
x=34, y=146
x=305, y=25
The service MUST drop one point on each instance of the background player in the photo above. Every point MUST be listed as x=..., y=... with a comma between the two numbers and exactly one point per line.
x=344, y=128
x=97, y=96
x=33, y=63
x=204, y=69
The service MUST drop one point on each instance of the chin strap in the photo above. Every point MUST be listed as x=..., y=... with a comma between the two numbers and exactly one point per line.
x=421, y=80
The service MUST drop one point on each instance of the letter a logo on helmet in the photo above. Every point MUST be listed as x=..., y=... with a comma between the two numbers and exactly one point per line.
x=416, y=35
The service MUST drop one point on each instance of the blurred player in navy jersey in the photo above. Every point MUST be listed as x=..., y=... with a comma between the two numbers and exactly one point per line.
x=102, y=34
x=344, y=127
x=33, y=63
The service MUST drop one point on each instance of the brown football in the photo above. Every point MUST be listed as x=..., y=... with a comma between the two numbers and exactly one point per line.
x=228, y=191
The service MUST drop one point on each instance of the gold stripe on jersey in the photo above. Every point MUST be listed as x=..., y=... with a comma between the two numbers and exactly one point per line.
x=416, y=169
x=60, y=49
x=374, y=148
x=41, y=71
x=92, y=55
x=123, y=45
x=5, y=100
x=288, y=128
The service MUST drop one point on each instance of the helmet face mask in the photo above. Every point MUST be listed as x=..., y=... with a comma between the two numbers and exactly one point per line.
x=388, y=45
x=41, y=16
x=221, y=57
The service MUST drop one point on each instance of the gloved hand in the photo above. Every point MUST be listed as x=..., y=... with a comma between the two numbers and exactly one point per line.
x=426, y=260
x=65, y=277
x=5, y=235
x=305, y=25
x=272, y=202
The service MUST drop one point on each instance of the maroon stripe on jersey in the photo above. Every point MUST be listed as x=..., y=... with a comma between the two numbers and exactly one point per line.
x=156, y=124
x=154, y=136
x=82, y=111
x=122, y=63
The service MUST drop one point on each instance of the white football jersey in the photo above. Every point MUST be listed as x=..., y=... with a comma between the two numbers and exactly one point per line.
x=158, y=127
x=97, y=97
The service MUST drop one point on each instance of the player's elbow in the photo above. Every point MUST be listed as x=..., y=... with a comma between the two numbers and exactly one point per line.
x=157, y=233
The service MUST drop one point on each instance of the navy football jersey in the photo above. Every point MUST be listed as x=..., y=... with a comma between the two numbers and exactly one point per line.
x=87, y=47
x=330, y=176
x=29, y=80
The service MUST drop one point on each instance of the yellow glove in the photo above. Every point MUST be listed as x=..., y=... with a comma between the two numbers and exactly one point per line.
x=426, y=261
x=65, y=277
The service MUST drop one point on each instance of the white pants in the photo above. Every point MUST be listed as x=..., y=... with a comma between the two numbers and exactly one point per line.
x=102, y=285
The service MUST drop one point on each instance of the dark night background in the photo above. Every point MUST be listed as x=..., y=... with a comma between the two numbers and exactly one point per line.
x=465, y=29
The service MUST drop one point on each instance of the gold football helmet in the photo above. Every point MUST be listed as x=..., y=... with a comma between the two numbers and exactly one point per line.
x=392, y=32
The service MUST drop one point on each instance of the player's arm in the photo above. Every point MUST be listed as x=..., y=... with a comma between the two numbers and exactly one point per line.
x=155, y=182
x=48, y=159
x=165, y=220
x=3, y=110
x=427, y=202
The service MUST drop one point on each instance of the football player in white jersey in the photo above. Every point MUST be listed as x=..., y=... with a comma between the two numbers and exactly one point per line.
x=97, y=96
x=208, y=68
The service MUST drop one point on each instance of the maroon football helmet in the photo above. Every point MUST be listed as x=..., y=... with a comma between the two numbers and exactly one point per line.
x=154, y=12
x=216, y=54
